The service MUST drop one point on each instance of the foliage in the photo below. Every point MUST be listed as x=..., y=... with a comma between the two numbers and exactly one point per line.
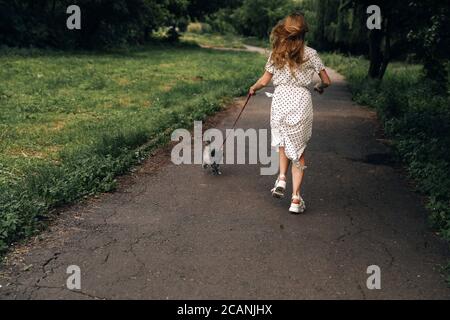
x=430, y=39
x=103, y=23
x=198, y=9
x=222, y=21
x=252, y=18
x=198, y=27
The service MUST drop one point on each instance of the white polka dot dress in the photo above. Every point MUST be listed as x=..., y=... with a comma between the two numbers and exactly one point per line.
x=291, y=113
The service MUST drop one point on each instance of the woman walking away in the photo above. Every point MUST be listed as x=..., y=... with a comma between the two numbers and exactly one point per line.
x=291, y=67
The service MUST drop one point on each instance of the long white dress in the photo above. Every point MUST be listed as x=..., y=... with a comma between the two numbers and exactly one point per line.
x=291, y=113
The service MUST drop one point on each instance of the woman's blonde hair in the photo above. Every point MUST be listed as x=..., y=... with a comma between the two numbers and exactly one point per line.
x=288, y=41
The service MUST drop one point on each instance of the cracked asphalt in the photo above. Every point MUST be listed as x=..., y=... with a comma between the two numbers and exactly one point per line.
x=175, y=232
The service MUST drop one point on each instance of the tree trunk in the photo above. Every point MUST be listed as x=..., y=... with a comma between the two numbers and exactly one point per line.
x=380, y=50
x=387, y=51
x=375, y=53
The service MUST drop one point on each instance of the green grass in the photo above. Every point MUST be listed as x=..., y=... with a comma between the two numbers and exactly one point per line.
x=253, y=41
x=224, y=41
x=71, y=122
x=214, y=40
x=417, y=121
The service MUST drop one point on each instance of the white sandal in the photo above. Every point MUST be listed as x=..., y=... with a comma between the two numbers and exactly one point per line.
x=297, y=207
x=280, y=186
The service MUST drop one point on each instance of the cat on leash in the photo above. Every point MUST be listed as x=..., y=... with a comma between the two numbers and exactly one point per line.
x=212, y=156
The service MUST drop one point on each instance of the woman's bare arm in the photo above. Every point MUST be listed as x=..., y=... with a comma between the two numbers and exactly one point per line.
x=325, y=78
x=261, y=83
x=325, y=82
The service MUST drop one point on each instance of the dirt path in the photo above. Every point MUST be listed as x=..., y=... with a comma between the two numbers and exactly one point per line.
x=176, y=232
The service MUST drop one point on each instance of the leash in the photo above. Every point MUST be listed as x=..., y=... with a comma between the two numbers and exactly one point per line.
x=237, y=119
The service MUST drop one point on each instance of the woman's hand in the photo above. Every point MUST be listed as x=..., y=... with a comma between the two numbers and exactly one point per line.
x=325, y=82
x=319, y=88
x=252, y=91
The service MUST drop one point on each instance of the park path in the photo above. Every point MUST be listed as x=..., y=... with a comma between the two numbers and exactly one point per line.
x=175, y=232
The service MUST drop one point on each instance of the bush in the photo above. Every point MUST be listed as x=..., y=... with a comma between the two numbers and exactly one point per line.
x=199, y=28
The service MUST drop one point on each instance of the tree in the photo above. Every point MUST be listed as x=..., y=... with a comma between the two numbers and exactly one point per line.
x=41, y=23
x=430, y=20
x=258, y=17
x=418, y=27
x=198, y=9
x=379, y=40
x=327, y=14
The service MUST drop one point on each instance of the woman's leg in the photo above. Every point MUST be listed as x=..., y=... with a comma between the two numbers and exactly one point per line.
x=297, y=176
x=280, y=184
x=284, y=162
